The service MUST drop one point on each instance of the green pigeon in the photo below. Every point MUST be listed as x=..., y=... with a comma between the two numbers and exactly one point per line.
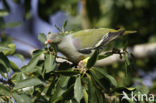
x=79, y=45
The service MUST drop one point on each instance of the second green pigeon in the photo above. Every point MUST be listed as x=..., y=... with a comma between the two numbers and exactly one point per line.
x=79, y=45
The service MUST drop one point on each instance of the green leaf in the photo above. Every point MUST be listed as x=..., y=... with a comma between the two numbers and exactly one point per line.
x=61, y=87
x=51, y=87
x=38, y=70
x=18, y=76
x=105, y=55
x=91, y=91
x=64, y=66
x=100, y=97
x=94, y=94
x=49, y=64
x=4, y=13
x=2, y=100
x=21, y=98
x=126, y=59
x=28, y=83
x=65, y=24
x=131, y=89
x=92, y=59
x=37, y=52
x=106, y=76
x=42, y=37
x=4, y=48
x=67, y=72
x=20, y=56
x=57, y=28
x=67, y=95
x=32, y=63
x=4, y=90
x=121, y=89
x=78, y=93
x=142, y=89
x=4, y=61
x=8, y=50
x=97, y=78
x=12, y=49
x=127, y=63
x=85, y=94
x=3, y=71
x=14, y=66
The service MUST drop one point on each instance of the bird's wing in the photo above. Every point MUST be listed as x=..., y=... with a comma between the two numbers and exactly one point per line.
x=108, y=38
x=85, y=50
x=77, y=45
x=90, y=37
x=93, y=38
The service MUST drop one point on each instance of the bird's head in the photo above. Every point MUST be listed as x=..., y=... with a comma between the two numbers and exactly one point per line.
x=53, y=38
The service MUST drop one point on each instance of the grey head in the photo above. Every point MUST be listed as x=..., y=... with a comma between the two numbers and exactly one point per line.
x=53, y=38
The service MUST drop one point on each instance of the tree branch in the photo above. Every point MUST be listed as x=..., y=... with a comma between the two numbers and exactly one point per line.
x=139, y=52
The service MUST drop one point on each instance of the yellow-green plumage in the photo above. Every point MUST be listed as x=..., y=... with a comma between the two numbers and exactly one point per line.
x=90, y=37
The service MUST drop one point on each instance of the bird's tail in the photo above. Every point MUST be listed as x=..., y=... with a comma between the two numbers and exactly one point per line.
x=129, y=32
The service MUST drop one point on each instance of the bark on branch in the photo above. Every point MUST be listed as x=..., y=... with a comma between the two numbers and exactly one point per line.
x=139, y=51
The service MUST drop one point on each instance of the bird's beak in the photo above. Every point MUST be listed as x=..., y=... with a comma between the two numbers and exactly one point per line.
x=47, y=41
